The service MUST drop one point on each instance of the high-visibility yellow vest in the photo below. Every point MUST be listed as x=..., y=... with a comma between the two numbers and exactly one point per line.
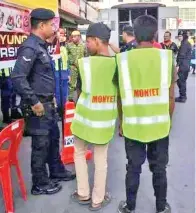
x=144, y=81
x=96, y=109
x=179, y=44
x=5, y=72
x=190, y=40
x=64, y=58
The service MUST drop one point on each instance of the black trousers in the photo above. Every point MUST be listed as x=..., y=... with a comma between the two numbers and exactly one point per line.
x=157, y=155
x=181, y=82
x=45, y=146
x=193, y=67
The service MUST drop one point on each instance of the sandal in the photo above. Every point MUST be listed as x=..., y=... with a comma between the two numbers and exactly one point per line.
x=106, y=201
x=76, y=198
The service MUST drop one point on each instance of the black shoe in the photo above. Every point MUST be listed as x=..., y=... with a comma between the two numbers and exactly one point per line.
x=167, y=209
x=49, y=189
x=181, y=99
x=68, y=176
x=122, y=208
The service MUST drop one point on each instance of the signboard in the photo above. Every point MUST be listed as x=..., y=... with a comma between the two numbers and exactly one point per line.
x=13, y=19
x=187, y=25
x=50, y=4
x=71, y=6
x=14, y=29
x=9, y=44
x=171, y=23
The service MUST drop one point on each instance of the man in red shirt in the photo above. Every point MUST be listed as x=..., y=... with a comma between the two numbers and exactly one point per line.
x=168, y=44
x=157, y=45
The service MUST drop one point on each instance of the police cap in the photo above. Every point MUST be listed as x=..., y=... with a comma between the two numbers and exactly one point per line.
x=182, y=33
x=99, y=30
x=42, y=14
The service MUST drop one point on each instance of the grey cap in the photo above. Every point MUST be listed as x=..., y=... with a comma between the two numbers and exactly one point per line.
x=42, y=14
x=99, y=30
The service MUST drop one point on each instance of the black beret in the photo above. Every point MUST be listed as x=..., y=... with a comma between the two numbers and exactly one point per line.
x=99, y=30
x=42, y=14
x=181, y=32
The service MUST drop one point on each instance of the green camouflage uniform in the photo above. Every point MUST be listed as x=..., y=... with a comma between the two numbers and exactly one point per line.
x=75, y=52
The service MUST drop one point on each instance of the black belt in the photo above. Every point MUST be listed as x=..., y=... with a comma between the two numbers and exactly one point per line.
x=45, y=99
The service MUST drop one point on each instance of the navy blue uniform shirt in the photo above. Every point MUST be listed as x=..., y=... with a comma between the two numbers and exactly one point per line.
x=33, y=75
x=184, y=55
x=129, y=46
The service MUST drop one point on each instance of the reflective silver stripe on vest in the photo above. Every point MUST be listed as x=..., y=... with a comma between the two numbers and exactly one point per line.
x=96, y=106
x=164, y=92
x=129, y=100
x=87, y=74
x=147, y=120
x=95, y=124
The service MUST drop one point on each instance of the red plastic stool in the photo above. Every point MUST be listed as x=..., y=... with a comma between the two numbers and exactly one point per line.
x=10, y=139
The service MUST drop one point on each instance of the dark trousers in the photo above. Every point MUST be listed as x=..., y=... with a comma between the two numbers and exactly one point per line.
x=157, y=155
x=193, y=67
x=181, y=82
x=45, y=146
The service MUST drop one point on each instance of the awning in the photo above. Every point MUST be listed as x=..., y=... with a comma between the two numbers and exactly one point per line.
x=137, y=5
x=72, y=18
x=82, y=21
x=31, y=4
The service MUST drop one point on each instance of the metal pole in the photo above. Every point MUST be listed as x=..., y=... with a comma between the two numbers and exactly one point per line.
x=61, y=96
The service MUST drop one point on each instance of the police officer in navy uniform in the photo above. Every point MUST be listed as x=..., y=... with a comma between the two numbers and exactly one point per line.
x=128, y=39
x=183, y=66
x=33, y=78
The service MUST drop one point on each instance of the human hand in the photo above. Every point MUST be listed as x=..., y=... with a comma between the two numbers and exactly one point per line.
x=177, y=69
x=69, y=79
x=55, y=103
x=38, y=109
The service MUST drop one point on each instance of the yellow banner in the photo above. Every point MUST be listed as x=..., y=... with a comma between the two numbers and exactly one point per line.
x=32, y=4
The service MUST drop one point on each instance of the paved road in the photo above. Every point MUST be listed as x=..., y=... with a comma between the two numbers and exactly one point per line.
x=180, y=172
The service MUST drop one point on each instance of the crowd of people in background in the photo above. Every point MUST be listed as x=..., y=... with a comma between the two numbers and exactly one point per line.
x=73, y=48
